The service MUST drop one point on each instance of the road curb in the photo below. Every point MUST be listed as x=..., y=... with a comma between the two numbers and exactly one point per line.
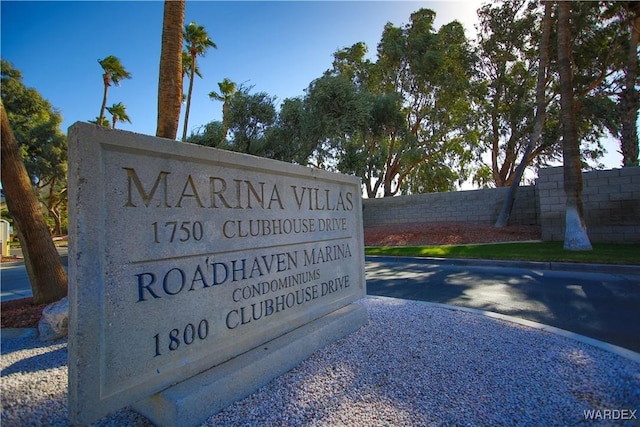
x=11, y=263
x=611, y=348
x=18, y=333
x=63, y=258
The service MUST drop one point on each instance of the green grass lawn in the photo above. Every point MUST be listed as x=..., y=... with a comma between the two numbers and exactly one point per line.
x=538, y=251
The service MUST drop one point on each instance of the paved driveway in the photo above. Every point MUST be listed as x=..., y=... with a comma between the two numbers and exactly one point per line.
x=599, y=304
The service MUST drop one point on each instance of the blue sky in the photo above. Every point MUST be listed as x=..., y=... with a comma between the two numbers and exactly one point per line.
x=277, y=47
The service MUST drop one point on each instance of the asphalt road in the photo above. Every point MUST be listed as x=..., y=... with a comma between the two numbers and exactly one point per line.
x=14, y=282
x=600, y=304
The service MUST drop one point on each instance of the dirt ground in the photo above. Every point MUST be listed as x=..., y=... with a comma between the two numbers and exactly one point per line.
x=449, y=233
x=23, y=313
x=20, y=313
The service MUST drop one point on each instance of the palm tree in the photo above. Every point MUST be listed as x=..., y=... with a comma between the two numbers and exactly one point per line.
x=171, y=74
x=227, y=89
x=187, y=65
x=198, y=42
x=118, y=113
x=46, y=273
x=575, y=236
x=114, y=71
x=104, y=122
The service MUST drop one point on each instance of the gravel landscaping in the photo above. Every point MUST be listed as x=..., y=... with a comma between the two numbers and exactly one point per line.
x=412, y=364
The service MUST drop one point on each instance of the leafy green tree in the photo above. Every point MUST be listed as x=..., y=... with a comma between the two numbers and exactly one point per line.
x=118, y=113
x=543, y=64
x=46, y=273
x=256, y=128
x=289, y=139
x=382, y=146
x=210, y=135
x=351, y=62
x=431, y=176
x=508, y=40
x=416, y=98
x=43, y=147
x=629, y=98
x=171, y=70
x=598, y=56
x=227, y=89
x=114, y=72
x=483, y=177
x=339, y=108
x=197, y=42
x=431, y=71
x=508, y=52
x=250, y=116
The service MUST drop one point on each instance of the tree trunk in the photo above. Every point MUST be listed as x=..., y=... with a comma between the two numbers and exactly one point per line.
x=52, y=208
x=107, y=83
x=575, y=237
x=507, y=206
x=186, y=111
x=225, y=119
x=170, y=80
x=57, y=210
x=58, y=221
x=46, y=273
x=387, y=186
x=629, y=102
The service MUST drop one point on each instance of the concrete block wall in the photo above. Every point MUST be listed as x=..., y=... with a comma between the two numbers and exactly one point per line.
x=610, y=200
x=478, y=206
x=552, y=203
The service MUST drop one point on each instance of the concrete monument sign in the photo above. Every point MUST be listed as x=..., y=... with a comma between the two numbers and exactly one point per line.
x=190, y=263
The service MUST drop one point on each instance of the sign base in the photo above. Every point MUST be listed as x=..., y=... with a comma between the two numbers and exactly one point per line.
x=192, y=401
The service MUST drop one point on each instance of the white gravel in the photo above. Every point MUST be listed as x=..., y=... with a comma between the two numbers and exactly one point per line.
x=412, y=364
